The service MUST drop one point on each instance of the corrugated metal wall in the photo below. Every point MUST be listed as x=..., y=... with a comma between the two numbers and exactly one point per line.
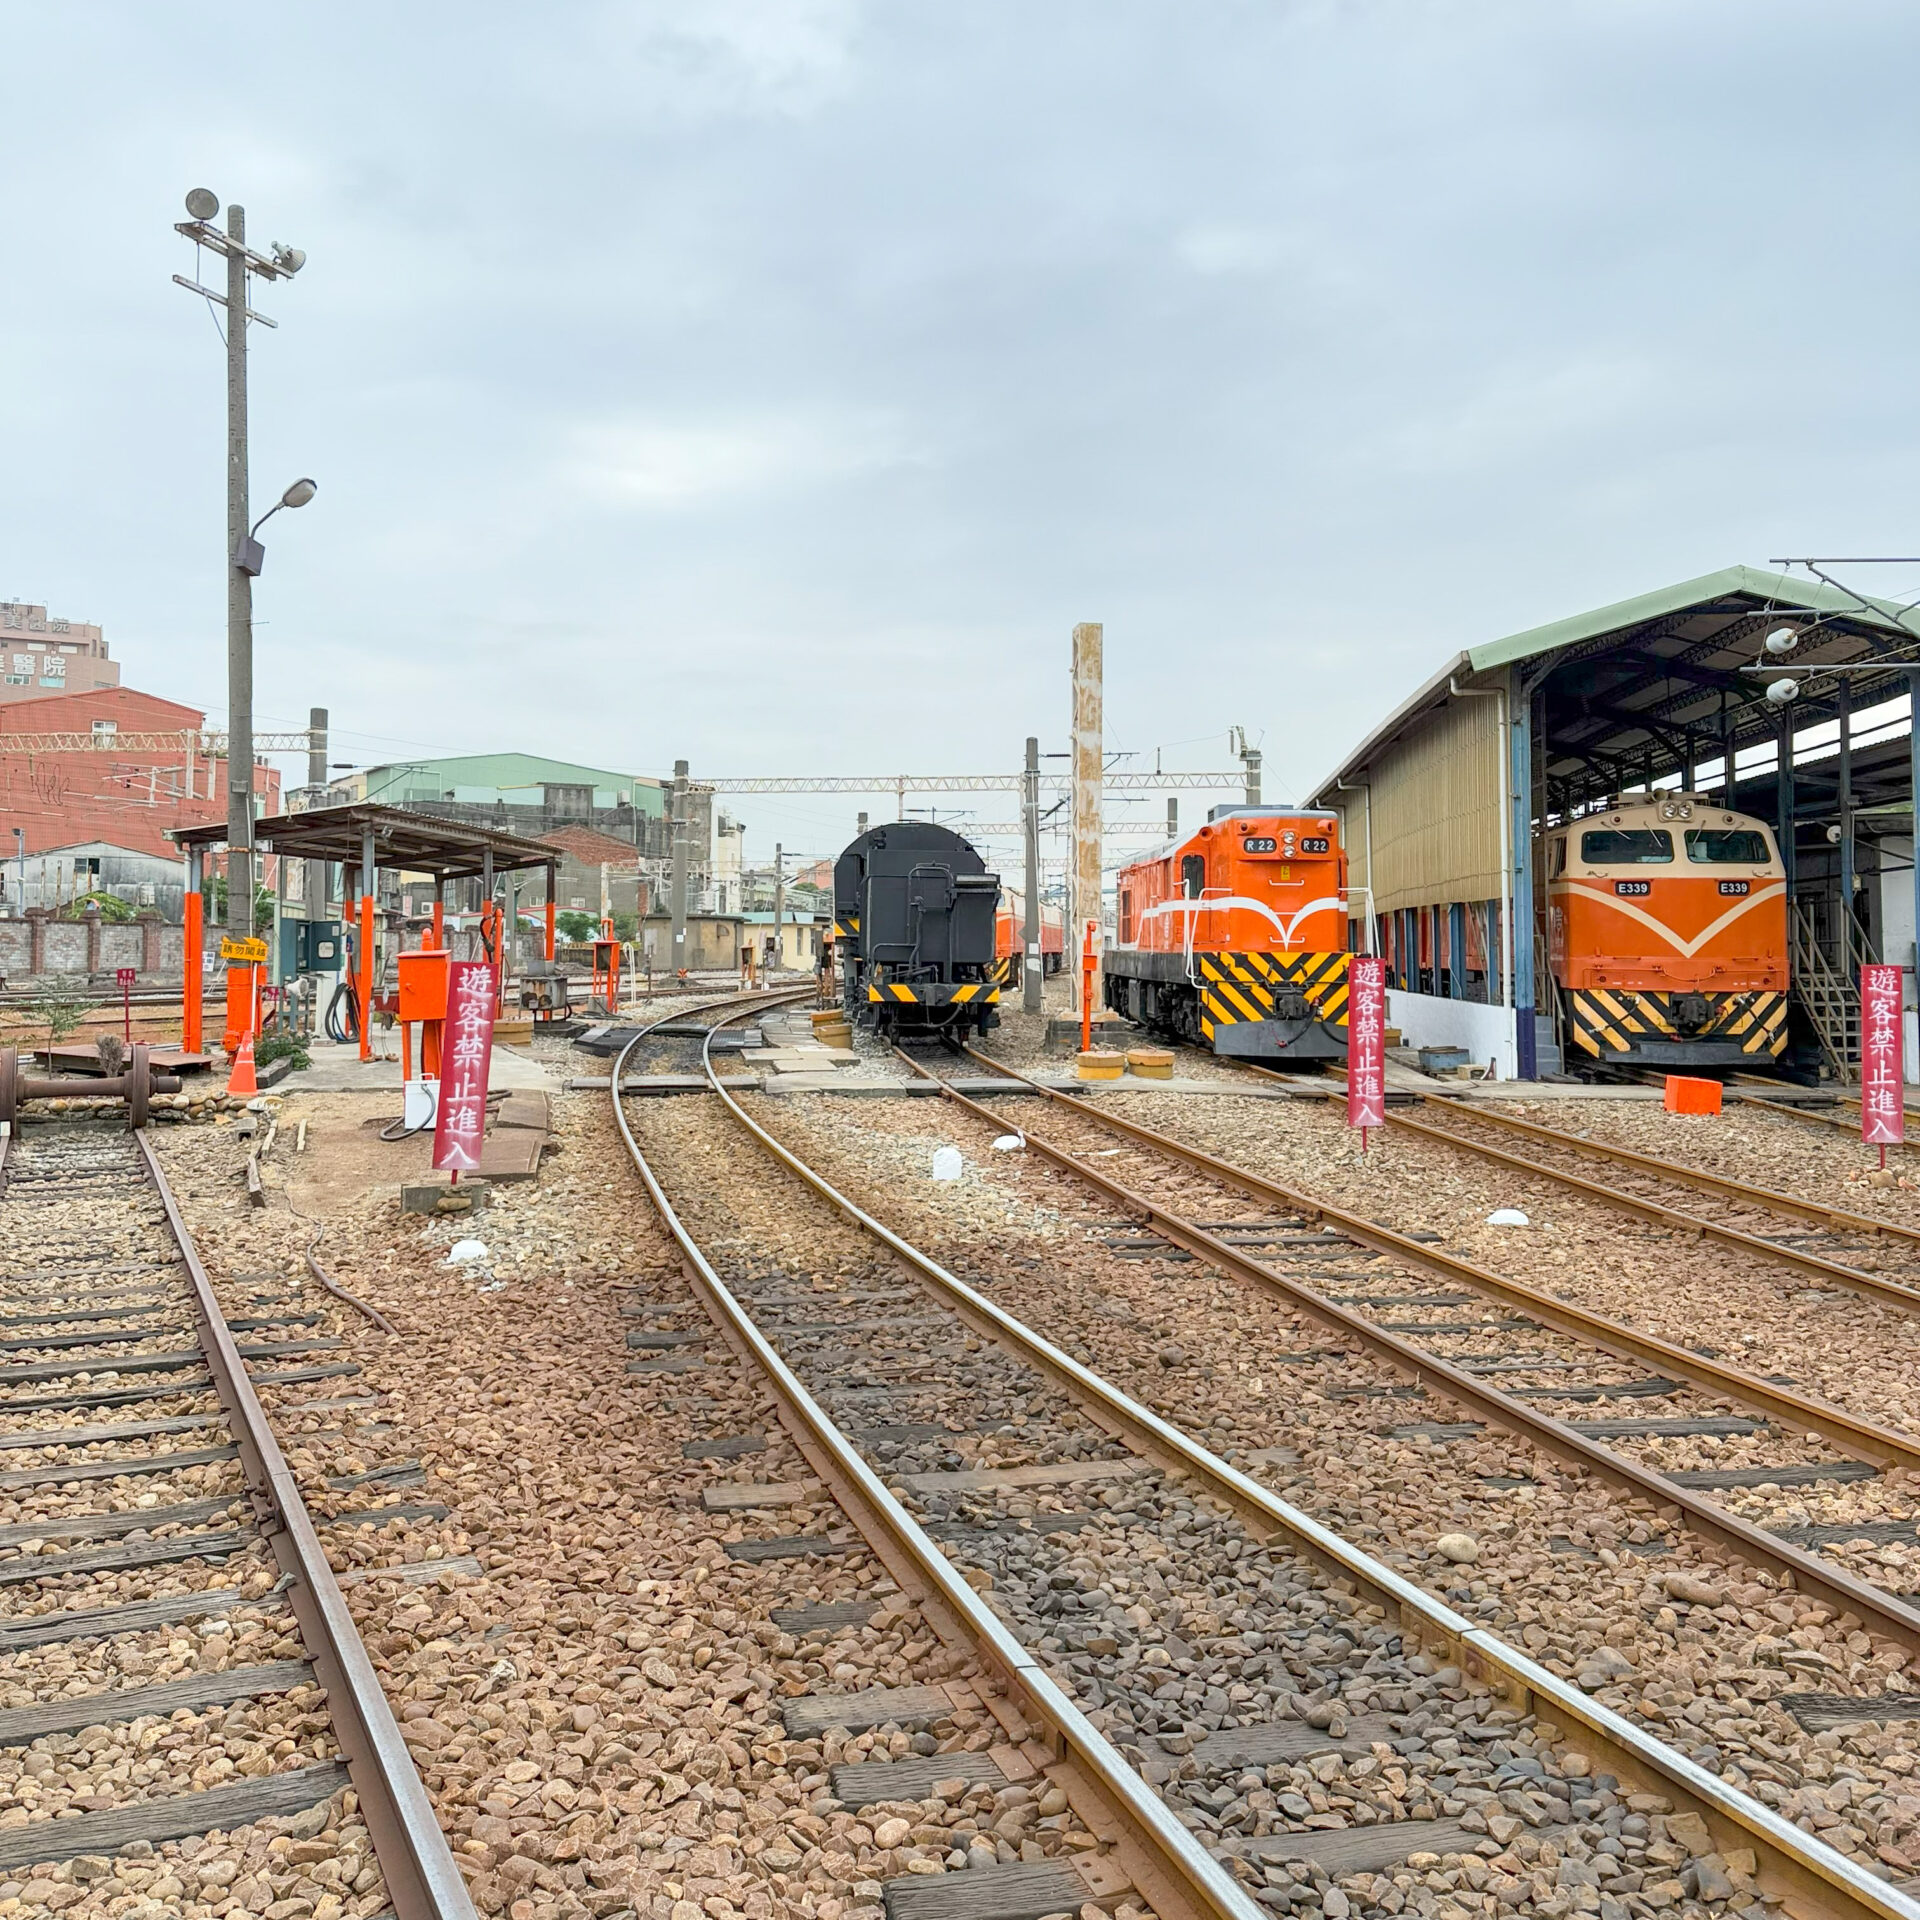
x=1436, y=811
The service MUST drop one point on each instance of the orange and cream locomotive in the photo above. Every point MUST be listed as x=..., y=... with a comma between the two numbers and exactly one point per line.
x=1667, y=931
x=1235, y=937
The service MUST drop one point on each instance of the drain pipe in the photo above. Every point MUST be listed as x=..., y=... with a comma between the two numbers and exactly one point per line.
x=1366, y=787
x=1506, y=837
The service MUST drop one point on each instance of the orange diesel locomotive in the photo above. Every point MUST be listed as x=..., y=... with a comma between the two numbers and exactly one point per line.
x=1009, y=937
x=1235, y=938
x=1667, y=930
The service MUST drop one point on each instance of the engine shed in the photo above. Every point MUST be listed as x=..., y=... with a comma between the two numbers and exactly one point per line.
x=1449, y=807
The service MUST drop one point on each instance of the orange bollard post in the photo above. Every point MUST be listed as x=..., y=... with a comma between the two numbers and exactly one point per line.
x=193, y=985
x=1086, y=991
x=243, y=1001
x=364, y=987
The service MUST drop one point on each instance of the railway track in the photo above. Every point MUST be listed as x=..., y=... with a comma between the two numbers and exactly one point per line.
x=176, y=1654
x=1239, y=1703
x=1524, y=1353
x=1827, y=1244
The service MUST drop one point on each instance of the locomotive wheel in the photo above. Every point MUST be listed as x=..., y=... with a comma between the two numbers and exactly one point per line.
x=9, y=1085
x=139, y=1087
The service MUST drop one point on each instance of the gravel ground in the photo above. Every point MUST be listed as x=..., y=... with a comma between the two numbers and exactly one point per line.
x=1169, y=1624
x=1839, y=1345
x=597, y=1710
x=81, y=1222
x=1559, y=1567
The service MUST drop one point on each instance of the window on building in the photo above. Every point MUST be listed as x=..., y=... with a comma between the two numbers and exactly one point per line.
x=1727, y=846
x=1627, y=846
x=101, y=728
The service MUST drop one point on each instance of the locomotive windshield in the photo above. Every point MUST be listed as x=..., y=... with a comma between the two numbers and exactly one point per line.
x=1727, y=846
x=1629, y=846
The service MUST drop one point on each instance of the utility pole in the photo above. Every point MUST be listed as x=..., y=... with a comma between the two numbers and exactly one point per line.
x=313, y=879
x=1173, y=817
x=243, y=551
x=860, y=827
x=1033, y=967
x=1250, y=763
x=1088, y=782
x=779, y=897
x=239, y=597
x=677, y=898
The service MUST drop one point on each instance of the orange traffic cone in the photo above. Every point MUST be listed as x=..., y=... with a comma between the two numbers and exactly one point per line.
x=243, y=1083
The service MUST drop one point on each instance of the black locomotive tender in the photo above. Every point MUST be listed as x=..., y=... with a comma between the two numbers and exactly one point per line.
x=913, y=927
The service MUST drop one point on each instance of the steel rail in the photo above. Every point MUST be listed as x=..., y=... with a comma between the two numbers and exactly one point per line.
x=1887, y=1291
x=1166, y=1863
x=422, y=1881
x=1813, y=1119
x=1681, y=1173
x=1809, y=1573
x=1800, y=1868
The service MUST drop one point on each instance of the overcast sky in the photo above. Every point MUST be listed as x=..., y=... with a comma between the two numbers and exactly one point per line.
x=775, y=382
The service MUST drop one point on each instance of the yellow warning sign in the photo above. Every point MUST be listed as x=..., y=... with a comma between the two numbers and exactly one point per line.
x=251, y=953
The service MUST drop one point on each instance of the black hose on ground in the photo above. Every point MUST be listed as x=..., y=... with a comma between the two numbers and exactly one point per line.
x=345, y=1029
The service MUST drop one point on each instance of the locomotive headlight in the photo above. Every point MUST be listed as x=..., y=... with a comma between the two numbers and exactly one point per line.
x=1783, y=693
x=1783, y=640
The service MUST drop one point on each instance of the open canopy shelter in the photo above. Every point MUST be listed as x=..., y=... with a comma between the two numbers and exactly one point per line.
x=1444, y=804
x=363, y=838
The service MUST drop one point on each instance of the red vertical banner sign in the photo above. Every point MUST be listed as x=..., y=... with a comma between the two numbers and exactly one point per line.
x=466, y=1052
x=1366, y=1042
x=1883, y=1106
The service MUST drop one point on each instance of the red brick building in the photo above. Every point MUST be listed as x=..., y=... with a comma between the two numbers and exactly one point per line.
x=107, y=768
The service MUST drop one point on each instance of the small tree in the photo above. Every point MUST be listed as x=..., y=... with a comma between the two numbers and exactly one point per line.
x=262, y=905
x=112, y=908
x=576, y=926
x=61, y=1003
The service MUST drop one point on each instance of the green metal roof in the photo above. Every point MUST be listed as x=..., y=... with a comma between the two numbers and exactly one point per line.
x=1727, y=584
x=1758, y=591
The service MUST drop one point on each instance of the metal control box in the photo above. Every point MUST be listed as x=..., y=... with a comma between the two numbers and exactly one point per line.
x=317, y=945
x=423, y=985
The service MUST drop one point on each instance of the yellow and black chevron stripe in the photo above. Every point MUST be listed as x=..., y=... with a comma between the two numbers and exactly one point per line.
x=1241, y=986
x=934, y=993
x=845, y=929
x=1616, y=1020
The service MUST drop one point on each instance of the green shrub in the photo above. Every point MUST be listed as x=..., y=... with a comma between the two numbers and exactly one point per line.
x=282, y=1046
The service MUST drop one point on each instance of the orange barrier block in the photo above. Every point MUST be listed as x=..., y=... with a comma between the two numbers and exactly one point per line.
x=1692, y=1096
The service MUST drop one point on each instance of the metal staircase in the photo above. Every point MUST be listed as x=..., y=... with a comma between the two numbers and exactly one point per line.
x=1830, y=994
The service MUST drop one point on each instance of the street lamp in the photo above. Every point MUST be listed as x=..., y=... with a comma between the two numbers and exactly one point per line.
x=250, y=556
x=243, y=551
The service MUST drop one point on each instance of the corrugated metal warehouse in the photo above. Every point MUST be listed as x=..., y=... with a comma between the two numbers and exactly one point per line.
x=1449, y=805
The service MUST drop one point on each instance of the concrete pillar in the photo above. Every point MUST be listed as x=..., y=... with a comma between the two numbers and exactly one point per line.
x=37, y=918
x=91, y=920
x=152, y=927
x=1088, y=789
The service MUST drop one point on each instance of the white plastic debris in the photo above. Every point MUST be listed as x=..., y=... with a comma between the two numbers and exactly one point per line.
x=947, y=1164
x=462, y=1250
x=1010, y=1143
x=1508, y=1217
